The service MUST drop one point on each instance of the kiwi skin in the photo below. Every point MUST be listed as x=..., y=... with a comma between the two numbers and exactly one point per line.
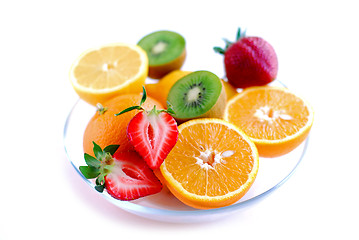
x=217, y=111
x=159, y=71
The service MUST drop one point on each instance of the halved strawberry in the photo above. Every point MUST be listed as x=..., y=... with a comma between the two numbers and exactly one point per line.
x=152, y=133
x=124, y=174
x=130, y=177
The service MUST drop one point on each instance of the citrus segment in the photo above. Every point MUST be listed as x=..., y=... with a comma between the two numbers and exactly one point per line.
x=102, y=73
x=213, y=164
x=274, y=118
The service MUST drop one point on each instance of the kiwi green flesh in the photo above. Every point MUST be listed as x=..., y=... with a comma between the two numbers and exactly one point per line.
x=162, y=47
x=194, y=94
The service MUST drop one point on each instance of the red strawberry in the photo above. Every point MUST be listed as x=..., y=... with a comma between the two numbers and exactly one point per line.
x=124, y=175
x=130, y=177
x=152, y=133
x=250, y=61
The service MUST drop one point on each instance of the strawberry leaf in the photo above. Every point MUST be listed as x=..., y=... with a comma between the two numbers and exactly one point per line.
x=228, y=43
x=100, y=188
x=89, y=172
x=97, y=150
x=219, y=50
x=91, y=161
x=144, y=95
x=240, y=34
x=101, y=179
x=143, y=99
x=170, y=108
x=100, y=183
x=111, y=149
x=129, y=109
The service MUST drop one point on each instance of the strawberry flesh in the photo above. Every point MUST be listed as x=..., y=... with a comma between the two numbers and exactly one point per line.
x=130, y=177
x=153, y=134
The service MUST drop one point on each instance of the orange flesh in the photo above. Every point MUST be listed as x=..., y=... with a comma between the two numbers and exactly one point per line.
x=210, y=160
x=269, y=116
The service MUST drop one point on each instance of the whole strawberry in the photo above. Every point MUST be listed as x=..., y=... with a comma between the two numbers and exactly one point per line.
x=250, y=61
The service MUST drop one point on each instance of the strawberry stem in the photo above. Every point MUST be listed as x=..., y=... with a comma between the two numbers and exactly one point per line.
x=154, y=110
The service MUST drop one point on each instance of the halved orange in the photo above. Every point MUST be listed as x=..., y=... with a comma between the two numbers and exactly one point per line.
x=213, y=164
x=102, y=73
x=276, y=119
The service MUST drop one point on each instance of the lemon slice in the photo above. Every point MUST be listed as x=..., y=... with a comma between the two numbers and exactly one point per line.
x=110, y=70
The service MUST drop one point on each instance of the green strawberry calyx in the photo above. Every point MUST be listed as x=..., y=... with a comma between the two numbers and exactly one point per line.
x=169, y=109
x=229, y=43
x=100, y=165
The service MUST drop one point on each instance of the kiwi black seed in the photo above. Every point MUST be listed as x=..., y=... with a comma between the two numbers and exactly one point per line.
x=196, y=95
x=166, y=51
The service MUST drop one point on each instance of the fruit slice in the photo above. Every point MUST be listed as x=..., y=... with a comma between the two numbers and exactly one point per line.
x=102, y=73
x=124, y=174
x=166, y=51
x=197, y=95
x=152, y=133
x=160, y=90
x=274, y=118
x=213, y=164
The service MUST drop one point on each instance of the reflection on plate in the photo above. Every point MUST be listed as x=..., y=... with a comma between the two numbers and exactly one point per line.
x=273, y=172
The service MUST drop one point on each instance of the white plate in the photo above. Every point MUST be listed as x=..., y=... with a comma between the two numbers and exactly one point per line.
x=273, y=172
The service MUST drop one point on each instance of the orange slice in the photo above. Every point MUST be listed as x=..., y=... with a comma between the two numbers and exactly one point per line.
x=213, y=164
x=102, y=73
x=274, y=118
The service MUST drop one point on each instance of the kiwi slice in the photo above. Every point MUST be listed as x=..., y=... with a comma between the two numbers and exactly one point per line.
x=197, y=95
x=166, y=51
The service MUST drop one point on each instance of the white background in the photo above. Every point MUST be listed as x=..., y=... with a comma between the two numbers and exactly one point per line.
x=42, y=197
